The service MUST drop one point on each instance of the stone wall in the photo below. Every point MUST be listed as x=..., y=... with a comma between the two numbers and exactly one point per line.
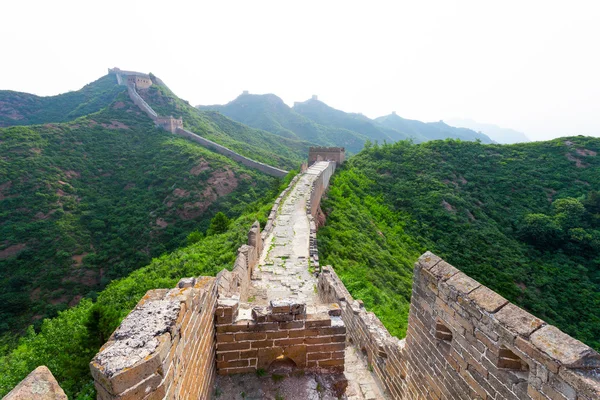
x=267, y=169
x=464, y=341
x=337, y=154
x=141, y=103
x=175, y=125
x=165, y=348
x=383, y=351
x=319, y=187
x=253, y=338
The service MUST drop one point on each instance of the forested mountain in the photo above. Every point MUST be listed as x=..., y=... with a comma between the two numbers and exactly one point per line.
x=18, y=108
x=522, y=219
x=326, y=115
x=430, y=130
x=496, y=133
x=268, y=112
x=89, y=201
x=320, y=124
x=257, y=144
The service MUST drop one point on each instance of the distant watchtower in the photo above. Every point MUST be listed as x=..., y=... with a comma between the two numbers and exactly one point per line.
x=170, y=123
x=337, y=154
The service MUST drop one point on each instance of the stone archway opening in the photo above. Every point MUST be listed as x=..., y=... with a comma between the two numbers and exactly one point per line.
x=282, y=365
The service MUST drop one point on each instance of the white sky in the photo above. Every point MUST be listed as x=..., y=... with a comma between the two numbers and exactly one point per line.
x=533, y=66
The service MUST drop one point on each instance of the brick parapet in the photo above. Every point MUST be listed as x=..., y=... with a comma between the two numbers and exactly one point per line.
x=385, y=353
x=249, y=339
x=484, y=346
x=164, y=348
x=317, y=190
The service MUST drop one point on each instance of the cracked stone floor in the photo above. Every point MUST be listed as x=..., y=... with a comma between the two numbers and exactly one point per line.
x=283, y=270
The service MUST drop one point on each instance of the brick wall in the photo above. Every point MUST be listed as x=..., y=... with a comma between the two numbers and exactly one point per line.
x=164, y=348
x=267, y=169
x=251, y=339
x=313, y=207
x=465, y=341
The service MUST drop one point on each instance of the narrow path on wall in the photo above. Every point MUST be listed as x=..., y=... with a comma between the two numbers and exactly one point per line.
x=283, y=270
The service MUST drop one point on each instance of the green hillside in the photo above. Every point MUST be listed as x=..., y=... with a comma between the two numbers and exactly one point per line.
x=323, y=114
x=268, y=112
x=86, y=202
x=18, y=108
x=522, y=219
x=254, y=143
x=68, y=342
x=430, y=130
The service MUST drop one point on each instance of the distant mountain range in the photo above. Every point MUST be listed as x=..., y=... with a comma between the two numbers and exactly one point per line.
x=498, y=134
x=316, y=122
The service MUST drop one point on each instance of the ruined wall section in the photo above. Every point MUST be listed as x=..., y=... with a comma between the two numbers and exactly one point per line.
x=251, y=339
x=164, y=348
x=465, y=341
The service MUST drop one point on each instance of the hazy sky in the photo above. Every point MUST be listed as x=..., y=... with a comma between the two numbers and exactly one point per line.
x=529, y=65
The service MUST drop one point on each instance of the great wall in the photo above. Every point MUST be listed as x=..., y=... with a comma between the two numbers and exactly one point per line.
x=279, y=312
x=137, y=80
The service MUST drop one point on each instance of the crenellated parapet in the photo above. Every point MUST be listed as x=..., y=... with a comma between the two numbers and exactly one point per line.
x=465, y=341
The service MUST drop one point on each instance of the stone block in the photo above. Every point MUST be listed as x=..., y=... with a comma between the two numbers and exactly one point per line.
x=563, y=348
x=487, y=299
x=518, y=320
x=428, y=260
x=462, y=283
x=443, y=271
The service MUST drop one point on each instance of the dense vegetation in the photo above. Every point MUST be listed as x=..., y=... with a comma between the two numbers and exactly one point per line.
x=268, y=112
x=67, y=343
x=522, y=219
x=18, y=108
x=253, y=143
x=89, y=201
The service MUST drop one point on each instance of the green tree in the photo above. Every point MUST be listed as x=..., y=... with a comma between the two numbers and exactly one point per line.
x=219, y=224
x=540, y=230
x=568, y=212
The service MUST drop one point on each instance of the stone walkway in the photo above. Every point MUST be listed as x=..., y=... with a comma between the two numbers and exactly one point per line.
x=284, y=272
